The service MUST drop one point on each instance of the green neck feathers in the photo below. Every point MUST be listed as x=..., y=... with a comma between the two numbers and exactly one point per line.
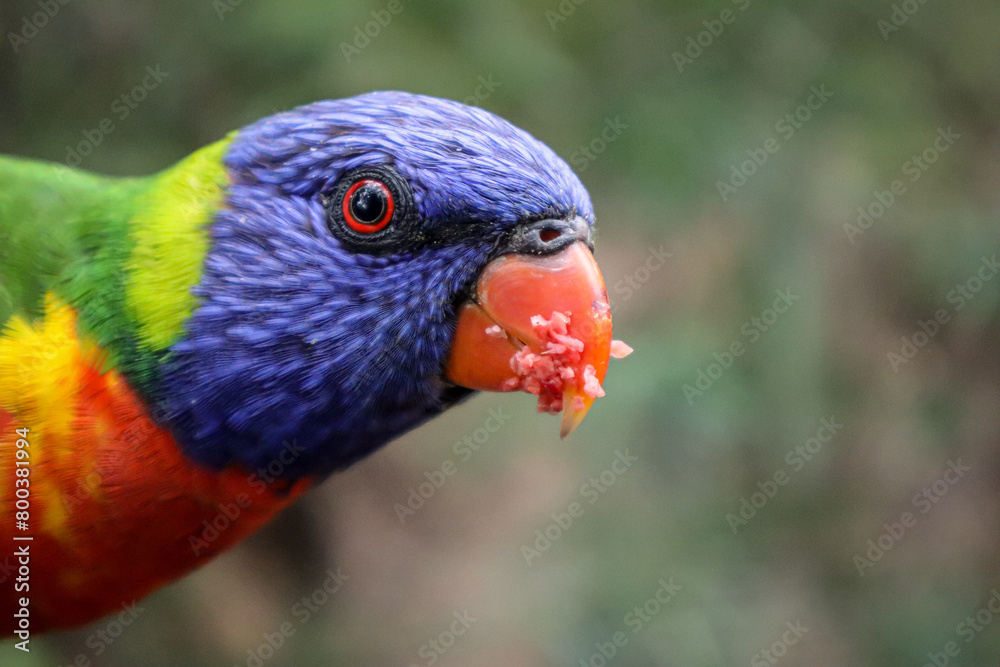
x=124, y=253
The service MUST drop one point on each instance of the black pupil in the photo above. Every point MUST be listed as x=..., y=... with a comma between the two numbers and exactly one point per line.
x=368, y=204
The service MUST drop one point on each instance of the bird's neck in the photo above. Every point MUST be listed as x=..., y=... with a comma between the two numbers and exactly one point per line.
x=55, y=220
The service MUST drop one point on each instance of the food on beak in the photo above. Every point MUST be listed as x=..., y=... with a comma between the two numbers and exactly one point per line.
x=540, y=325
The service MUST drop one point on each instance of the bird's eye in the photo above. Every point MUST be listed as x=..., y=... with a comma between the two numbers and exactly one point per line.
x=368, y=206
x=371, y=210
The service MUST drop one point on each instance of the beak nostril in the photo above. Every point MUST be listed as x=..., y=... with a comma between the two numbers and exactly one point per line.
x=544, y=237
x=549, y=234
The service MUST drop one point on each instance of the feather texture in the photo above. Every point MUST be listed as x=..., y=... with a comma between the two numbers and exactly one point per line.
x=164, y=339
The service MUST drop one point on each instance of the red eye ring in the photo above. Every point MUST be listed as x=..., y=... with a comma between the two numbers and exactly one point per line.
x=354, y=209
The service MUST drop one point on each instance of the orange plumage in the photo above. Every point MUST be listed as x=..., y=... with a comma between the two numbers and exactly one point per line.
x=94, y=546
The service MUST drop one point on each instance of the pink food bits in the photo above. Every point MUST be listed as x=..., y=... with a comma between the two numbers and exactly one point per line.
x=591, y=385
x=620, y=349
x=549, y=403
x=547, y=373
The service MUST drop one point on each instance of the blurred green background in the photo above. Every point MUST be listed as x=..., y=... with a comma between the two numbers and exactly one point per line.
x=858, y=542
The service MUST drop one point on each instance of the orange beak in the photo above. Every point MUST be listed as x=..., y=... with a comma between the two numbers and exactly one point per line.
x=539, y=324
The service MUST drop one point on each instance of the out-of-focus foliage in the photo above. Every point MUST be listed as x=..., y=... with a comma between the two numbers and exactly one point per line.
x=855, y=294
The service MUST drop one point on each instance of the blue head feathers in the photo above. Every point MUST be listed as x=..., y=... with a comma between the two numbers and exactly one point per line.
x=310, y=331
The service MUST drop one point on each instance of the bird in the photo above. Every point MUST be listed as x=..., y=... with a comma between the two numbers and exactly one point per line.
x=183, y=355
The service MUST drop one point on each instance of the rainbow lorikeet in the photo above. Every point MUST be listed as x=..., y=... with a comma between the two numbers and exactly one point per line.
x=291, y=297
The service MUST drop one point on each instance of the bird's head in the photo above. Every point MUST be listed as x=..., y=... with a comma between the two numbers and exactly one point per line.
x=376, y=260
